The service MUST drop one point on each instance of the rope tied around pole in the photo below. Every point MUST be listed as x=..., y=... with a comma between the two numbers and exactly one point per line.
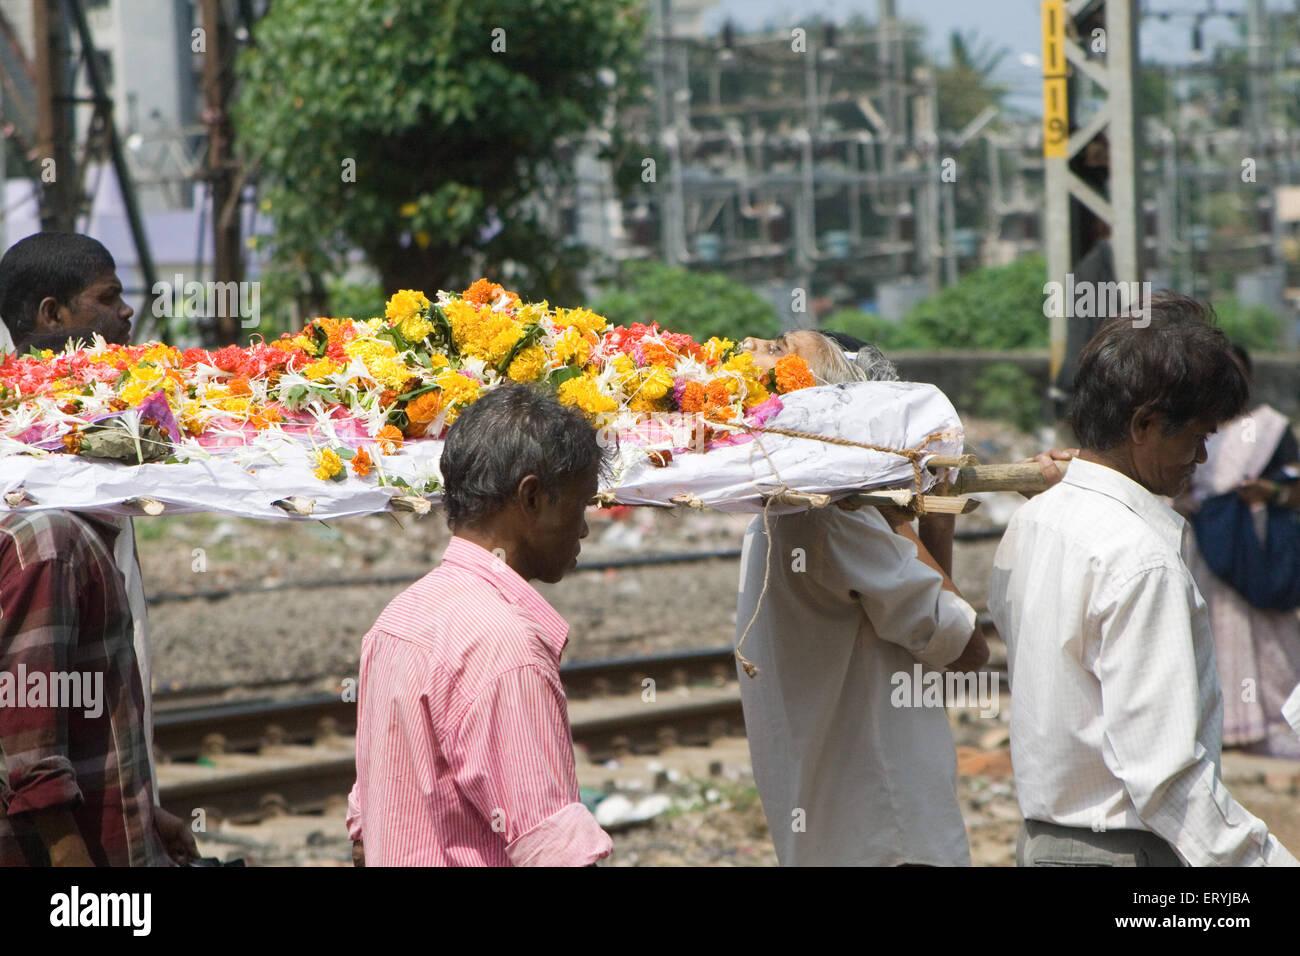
x=913, y=454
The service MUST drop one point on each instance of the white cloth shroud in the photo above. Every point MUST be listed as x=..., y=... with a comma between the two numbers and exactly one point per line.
x=246, y=481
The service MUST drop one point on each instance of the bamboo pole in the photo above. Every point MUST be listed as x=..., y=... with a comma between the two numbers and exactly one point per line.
x=1023, y=477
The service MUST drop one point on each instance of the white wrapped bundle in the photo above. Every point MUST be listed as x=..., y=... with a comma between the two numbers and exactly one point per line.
x=900, y=415
x=248, y=481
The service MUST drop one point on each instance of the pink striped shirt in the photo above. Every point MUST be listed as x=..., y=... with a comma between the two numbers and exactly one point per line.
x=464, y=754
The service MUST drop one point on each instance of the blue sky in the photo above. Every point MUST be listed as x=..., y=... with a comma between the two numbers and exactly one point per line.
x=1013, y=24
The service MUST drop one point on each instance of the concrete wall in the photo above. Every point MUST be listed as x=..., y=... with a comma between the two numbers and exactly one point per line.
x=1277, y=377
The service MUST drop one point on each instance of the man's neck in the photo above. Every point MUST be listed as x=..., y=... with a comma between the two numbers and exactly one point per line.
x=502, y=545
x=1116, y=459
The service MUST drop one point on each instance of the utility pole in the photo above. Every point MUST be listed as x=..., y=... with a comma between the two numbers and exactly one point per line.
x=928, y=220
x=218, y=87
x=18, y=107
x=891, y=71
x=103, y=130
x=1093, y=41
x=54, y=120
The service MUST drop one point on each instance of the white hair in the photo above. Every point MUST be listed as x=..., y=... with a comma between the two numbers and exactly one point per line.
x=834, y=366
x=875, y=367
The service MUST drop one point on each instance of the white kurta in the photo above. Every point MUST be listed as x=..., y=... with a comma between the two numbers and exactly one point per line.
x=127, y=561
x=1118, y=714
x=845, y=777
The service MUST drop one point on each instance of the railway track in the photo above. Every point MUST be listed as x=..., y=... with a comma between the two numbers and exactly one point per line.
x=244, y=759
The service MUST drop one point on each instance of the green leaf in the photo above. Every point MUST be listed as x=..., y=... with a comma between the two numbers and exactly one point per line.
x=442, y=331
x=419, y=391
x=562, y=375
x=320, y=340
x=530, y=336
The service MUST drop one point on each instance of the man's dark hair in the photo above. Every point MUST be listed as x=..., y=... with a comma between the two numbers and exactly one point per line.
x=1180, y=366
x=1244, y=358
x=511, y=432
x=849, y=343
x=58, y=264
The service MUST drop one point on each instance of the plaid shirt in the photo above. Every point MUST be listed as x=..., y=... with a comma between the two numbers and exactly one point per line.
x=64, y=614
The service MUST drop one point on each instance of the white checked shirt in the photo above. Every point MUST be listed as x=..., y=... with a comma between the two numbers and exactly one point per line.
x=847, y=778
x=1117, y=715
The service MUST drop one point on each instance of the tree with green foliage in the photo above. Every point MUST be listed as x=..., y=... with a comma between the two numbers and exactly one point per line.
x=421, y=132
x=965, y=83
x=698, y=303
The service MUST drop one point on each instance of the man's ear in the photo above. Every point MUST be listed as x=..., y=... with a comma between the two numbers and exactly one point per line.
x=49, y=317
x=1140, y=426
x=528, y=494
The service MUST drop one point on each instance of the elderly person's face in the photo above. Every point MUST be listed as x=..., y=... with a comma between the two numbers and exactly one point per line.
x=805, y=343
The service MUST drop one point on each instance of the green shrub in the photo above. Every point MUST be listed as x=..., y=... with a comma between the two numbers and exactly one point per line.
x=999, y=307
x=1005, y=392
x=995, y=308
x=881, y=333
x=1250, y=326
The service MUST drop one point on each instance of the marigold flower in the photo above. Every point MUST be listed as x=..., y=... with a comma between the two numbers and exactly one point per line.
x=405, y=305
x=389, y=439
x=657, y=353
x=485, y=292
x=458, y=391
x=328, y=464
x=571, y=348
x=361, y=463
x=792, y=374
x=583, y=392
x=717, y=347
x=528, y=365
x=693, y=397
x=645, y=404
x=320, y=369
x=584, y=320
x=504, y=337
x=656, y=384
x=415, y=328
x=424, y=408
x=264, y=417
